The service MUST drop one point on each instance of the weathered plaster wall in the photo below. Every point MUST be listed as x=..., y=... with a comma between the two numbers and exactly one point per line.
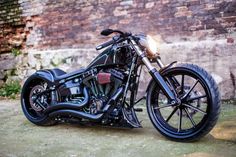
x=64, y=33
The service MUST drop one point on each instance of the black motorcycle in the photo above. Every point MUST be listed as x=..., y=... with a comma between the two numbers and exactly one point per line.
x=182, y=100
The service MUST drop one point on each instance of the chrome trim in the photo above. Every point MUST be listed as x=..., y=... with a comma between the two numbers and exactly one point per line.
x=144, y=58
x=159, y=63
x=147, y=63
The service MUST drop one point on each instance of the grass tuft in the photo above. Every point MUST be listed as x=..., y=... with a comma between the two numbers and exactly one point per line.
x=10, y=90
x=16, y=52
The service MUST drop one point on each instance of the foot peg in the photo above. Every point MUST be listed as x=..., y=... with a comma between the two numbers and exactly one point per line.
x=138, y=110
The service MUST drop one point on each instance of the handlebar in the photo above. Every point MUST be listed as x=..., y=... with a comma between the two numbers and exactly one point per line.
x=106, y=32
x=103, y=45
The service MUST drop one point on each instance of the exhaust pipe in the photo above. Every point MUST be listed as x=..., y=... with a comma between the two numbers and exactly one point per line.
x=80, y=114
x=77, y=114
x=68, y=105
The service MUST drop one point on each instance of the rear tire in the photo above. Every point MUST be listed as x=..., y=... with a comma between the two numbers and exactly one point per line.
x=209, y=118
x=36, y=117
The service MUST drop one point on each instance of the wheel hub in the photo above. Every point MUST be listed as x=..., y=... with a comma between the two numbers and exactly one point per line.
x=34, y=100
x=184, y=100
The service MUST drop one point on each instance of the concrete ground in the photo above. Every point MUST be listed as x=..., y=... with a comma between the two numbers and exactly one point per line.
x=18, y=137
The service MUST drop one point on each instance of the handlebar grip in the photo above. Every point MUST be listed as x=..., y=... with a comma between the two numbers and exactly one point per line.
x=108, y=43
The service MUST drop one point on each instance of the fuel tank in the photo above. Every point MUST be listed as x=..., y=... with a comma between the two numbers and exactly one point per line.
x=110, y=56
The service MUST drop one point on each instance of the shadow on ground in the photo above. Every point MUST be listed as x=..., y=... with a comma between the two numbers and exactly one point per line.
x=18, y=137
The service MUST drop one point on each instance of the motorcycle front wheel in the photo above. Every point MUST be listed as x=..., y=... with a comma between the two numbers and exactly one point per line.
x=198, y=111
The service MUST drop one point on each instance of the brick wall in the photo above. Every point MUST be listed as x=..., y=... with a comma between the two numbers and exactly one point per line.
x=64, y=33
x=78, y=23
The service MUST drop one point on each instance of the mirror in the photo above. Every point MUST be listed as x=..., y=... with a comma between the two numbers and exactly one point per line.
x=107, y=32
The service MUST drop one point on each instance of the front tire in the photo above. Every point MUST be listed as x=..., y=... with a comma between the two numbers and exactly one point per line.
x=199, y=109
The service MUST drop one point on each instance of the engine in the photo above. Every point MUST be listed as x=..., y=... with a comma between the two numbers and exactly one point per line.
x=102, y=84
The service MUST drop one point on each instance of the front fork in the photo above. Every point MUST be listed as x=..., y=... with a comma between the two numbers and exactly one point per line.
x=155, y=74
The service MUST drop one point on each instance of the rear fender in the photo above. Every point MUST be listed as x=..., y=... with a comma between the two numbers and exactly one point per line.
x=41, y=75
x=44, y=75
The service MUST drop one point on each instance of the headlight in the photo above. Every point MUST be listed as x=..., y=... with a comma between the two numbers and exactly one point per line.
x=150, y=44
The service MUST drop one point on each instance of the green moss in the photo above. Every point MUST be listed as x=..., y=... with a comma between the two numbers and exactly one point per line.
x=10, y=90
x=15, y=52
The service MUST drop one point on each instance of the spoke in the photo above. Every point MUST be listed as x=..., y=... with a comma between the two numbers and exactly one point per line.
x=190, y=118
x=164, y=106
x=180, y=120
x=197, y=97
x=161, y=92
x=195, y=108
x=175, y=81
x=182, y=84
x=191, y=89
x=172, y=113
x=41, y=105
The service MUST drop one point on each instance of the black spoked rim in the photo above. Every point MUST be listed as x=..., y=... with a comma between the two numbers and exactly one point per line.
x=191, y=115
x=32, y=108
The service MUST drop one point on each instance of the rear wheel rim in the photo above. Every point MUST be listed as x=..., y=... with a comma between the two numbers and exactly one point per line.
x=32, y=109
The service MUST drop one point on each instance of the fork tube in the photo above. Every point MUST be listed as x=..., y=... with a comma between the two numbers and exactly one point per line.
x=162, y=84
x=155, y=74
x=141, y=54
x=159, y=62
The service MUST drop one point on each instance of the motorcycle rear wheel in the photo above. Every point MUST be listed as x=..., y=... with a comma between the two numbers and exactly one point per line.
x=32, y=113
x=200, y=103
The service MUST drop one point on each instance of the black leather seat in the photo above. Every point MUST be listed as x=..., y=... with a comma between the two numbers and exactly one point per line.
x=60, y=74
